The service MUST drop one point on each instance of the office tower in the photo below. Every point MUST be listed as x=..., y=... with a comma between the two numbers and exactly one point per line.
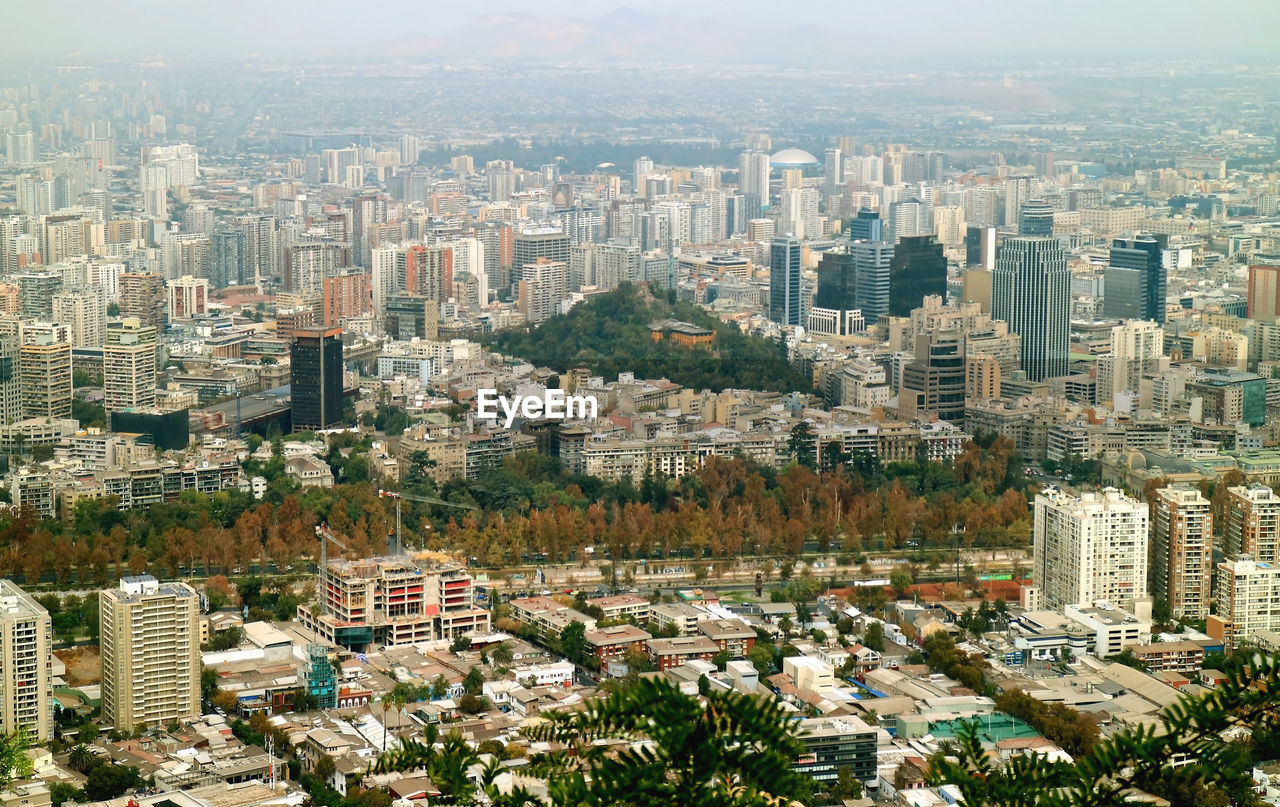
x=785, y=298
x=316, y=376
x=643, y=169
x=83, y=309
x=150, y=644
x=10, y=379
x=980, y=247
x=528, y=247
x=142, y=297
x=871, y=261
x=1137, y=349
x=345, y=294
x=1251, y=523
x=933, y=384
x=26, y=660
x=36, y=291
x=753, y=175
x=261, y=248
x=1183, y=551
x=1264, y=287
x=1035, y=219
x=45, y=370
x=226, y=258
x=866, y=226
x=1089, y=549
x=188, y=297
x=837, y=281
x=1136, y=280
x=1247, y=591
x=129, y=366
x=917, y=270
x=1031, y=290
x=543, y=287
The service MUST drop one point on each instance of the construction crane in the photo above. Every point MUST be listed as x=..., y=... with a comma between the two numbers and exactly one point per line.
x=398, y=496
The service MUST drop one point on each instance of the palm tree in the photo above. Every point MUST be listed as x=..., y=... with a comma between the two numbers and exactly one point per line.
x=736, y=750
x=785, y=626
x=81, y=758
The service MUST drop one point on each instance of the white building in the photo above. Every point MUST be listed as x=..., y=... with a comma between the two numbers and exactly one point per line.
x=1089, y=549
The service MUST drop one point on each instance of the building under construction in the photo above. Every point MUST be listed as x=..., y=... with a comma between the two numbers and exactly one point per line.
x=390, y=601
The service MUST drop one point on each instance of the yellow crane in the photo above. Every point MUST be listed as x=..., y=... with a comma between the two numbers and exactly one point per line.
x=399, y=496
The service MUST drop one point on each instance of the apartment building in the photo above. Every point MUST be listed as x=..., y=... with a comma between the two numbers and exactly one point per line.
x=26, y=664
x=1183, y=556
x=150, y=652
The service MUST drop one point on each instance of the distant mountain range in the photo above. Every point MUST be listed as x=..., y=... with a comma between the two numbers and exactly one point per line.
x=627, y=35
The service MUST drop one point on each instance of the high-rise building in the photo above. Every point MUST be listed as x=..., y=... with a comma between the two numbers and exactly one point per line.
x=261, y=248
x=1031, y=290
x=543, y=286
x=980, y=247
x=83, y=309
x=917, y=270
x=528, y=247
x=1089, y=549
x=227, y=258
x=1264, y=287
x=35, y=293
x=934, y=383
x=800, y=213
x=345, y=294
x=10, y=379
x=129, y=366
x=45, y=367
x=1251, y=523
x=150, y=642
x=1137, y=349
x=411, y=316
x=1136, y=280
x=871, y=260
x=316, y=378
x=1035, y=219
x=866, y=226
x=1183, y=551
x=26, y=659
x=837, y=281
x=1247, y=591
x=785, y=298
x=753, y=175
x=640, y=174
x=142, y=298
x=188, y=297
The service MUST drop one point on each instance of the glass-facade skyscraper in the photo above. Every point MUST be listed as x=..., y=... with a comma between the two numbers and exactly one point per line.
x=316, y=378
x=1031, y=290
x=1136, y=280
x=785, y=298
x=871, y=278
x=918, y=269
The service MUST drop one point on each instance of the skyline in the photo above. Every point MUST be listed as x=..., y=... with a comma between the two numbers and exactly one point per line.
x=568, y=30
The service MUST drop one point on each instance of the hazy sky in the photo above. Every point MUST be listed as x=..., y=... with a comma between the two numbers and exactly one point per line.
x=1195, y=30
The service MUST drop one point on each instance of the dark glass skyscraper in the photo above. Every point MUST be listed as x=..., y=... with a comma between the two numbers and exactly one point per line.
x=1031, y=290
x=837, y=281
x=316, y=378
x=1136, y=280
x=918, y=268
x=785, y=299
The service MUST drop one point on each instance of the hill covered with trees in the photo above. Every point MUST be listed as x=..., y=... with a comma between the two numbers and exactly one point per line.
x=609, y=333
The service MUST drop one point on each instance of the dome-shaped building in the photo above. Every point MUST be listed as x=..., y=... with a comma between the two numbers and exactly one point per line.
x=793, y=158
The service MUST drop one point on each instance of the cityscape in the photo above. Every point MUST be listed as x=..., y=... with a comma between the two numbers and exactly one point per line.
x=574, y=405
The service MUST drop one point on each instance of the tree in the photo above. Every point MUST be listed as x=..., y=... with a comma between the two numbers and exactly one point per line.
x=873, y=637
x=738, y=750
x=1161, y=612
x=109, y=781
x=800, y=443
x=81, y=758
x=900, y=579
x=473, y=683
x=761, y=657
x=14, y=762
x=573, y=641
x=325, y=767
x=460, y=644
x=502, y=655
